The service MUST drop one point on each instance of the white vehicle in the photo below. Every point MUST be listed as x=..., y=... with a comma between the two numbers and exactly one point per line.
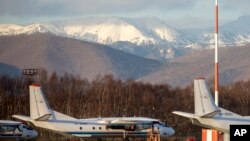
x=122, y=127
x=16, y=130
x=208, y=115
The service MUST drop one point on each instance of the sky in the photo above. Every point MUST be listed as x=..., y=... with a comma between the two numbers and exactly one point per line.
x=179, y=13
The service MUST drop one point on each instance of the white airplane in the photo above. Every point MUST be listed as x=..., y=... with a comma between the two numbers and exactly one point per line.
x=208, y=115
x=41, y=115
x=16, y=130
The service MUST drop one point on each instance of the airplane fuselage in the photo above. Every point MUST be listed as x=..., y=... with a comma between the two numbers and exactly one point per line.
x=221, y=123
x=91, y=129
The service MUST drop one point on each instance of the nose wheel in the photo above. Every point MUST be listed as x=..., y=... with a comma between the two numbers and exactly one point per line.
x=153, y=136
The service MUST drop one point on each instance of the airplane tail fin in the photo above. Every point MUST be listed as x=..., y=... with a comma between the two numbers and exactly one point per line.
x=39, y=108
x=204, y=102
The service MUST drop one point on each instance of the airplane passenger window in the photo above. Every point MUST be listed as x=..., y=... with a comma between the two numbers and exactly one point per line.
x=8, y=128
x=100, y=128
x=80, y=128
x=1, y=129
x=93, y=128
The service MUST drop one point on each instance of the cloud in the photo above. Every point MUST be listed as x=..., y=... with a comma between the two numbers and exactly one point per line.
x=236, y=6
x=25, y=11
x=85, y=7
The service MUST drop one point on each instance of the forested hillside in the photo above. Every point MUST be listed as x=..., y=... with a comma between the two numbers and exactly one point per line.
x=108, y=97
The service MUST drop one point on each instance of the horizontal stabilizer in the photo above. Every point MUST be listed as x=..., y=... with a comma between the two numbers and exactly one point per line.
x=44, y=117
x=20, y=117
x=59, y=116
x=184, y=114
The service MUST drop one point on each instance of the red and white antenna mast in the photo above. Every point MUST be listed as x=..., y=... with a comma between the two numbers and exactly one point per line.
x=216, y=68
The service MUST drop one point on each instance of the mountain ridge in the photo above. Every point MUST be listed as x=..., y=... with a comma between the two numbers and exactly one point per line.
x=151, y=32
x=146, y=35
x=233, y=66
x=145, y=29
x=89, y=60
x=61, y=55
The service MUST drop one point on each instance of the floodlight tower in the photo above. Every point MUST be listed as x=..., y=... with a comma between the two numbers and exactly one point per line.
x=30, y=74
x=216, y=67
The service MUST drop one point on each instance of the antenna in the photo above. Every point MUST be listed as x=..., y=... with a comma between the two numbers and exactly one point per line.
x=216, y=67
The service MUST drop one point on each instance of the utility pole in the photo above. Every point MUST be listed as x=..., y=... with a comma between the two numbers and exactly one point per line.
x=216, y=67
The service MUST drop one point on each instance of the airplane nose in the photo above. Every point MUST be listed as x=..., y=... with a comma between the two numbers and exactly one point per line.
x=171, y=131
x=34, y=134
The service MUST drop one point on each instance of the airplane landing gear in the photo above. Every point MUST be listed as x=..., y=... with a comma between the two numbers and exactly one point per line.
x=126, y=139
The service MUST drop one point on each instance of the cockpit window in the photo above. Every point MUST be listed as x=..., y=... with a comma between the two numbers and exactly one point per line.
x=163, y=125
x=160, y=124
x=26, y=127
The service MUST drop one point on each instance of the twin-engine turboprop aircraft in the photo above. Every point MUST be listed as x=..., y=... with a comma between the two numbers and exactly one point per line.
x=41, y=115
x=16, y=130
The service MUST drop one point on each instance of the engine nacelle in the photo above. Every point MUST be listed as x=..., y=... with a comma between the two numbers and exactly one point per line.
x=131, y=127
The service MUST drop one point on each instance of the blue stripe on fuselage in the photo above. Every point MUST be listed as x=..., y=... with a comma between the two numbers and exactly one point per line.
x=106, y=133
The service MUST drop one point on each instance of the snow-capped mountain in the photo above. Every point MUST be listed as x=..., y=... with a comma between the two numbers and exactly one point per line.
x=146, y=37
x=103, y=30
x=11, y=29
x=147, y=34
x=111, y=30
x=234, y=33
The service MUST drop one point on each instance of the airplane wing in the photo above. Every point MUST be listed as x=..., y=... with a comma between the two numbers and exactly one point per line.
x=116, y=121
x=8, y=122
x=127, y=121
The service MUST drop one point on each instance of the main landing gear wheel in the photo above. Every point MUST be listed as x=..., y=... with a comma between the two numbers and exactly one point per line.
x=126, y=139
